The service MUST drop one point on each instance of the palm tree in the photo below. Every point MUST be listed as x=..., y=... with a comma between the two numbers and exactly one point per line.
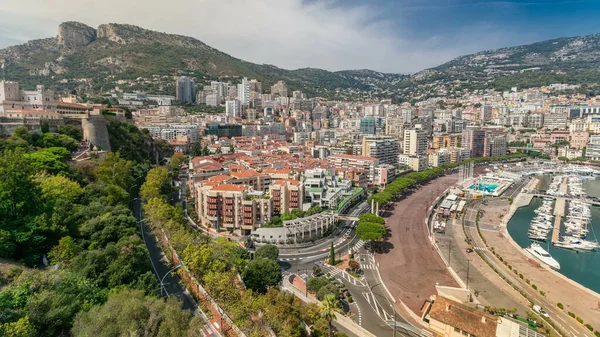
x=328, y=310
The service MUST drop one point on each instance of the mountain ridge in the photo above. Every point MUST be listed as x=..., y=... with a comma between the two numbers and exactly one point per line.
x=97, y=59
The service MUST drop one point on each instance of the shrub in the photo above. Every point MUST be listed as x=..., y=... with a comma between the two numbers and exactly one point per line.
x=597, y=333
x=509, y=267
x=571, y=314
x=350, y=299
x=579, y=319
x=527, y=280
x=534, y=286
x=521, y=276
x=501, y=259
x=560, y=305
x=515, y=271
x=589, y=327
x=543, y=293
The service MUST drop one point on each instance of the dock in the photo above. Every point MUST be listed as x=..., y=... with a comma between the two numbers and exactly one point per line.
x=559, y=211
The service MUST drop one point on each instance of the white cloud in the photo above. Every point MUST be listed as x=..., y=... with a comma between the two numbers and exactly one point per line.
x=287, y=33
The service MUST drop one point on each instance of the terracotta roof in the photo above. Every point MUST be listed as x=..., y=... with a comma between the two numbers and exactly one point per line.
x=245, y=174
x=460, y=316
x=277, y=171
x=230, y=188
x=349, y=156
x=220, y=178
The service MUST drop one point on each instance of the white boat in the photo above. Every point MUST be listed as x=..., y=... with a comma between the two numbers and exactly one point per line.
x=541, y=254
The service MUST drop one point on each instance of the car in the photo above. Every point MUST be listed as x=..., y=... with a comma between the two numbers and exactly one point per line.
x=540, y=311
x=469, y=250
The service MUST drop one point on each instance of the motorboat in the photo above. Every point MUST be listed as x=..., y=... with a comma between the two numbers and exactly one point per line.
x=541, y=254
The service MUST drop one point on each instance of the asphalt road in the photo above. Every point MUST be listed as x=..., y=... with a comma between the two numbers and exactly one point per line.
x=171, y=285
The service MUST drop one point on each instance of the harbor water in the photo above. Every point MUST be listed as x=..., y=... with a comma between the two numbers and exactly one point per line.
x=583, y=268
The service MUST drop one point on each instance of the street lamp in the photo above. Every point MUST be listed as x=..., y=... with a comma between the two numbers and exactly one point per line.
x=162, y=284
x=390, y=304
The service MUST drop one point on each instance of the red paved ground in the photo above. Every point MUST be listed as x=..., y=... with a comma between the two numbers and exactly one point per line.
x=410, y=267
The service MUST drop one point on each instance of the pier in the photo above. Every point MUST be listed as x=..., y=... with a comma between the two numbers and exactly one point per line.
x=587, y=201
x=559, y=210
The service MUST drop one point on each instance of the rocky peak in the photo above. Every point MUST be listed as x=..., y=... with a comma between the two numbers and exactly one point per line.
x=75, y=34
x=110, y=32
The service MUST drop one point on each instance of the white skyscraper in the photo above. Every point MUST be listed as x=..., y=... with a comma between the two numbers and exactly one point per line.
x=233, y=108
x=244, y=91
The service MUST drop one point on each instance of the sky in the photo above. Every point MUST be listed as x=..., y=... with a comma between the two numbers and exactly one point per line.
x=398, y=36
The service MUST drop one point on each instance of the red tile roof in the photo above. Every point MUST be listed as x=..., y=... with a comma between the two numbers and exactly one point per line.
x=463, y=317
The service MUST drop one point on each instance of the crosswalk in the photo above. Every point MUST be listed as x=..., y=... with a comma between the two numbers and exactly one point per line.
x=291, y=259
x=341, y=274
x=481, y=249
x=359, y=244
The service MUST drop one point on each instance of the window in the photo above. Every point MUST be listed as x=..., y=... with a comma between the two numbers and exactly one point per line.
x=456, y=330
x=465, y=333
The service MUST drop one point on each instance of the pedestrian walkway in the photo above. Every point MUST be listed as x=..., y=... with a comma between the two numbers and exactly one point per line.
x=339, y=273
x=291, y=259
x=359, y=244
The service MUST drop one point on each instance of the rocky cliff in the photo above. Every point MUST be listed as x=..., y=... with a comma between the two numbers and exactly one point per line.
x=75, y=34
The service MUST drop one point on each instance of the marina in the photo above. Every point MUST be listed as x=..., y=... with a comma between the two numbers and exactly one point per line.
x=563, y=222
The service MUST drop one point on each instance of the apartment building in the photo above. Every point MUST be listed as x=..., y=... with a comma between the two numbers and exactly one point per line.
x=439, y=158
x=592, y=151
x=359, y=162
x=495, y=144
x=579, y=139
x=384, y=174
x=287, y=194
x=235, y=208
x=384, y=148
x=473, y=139
x=414, y=162
x=441, y=141
x=415, y=142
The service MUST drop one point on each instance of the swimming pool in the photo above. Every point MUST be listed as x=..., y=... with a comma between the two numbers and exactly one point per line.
x=484, y=187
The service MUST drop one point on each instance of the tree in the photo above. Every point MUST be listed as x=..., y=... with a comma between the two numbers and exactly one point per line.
x=64, y=252
x=316, y=283
x=368, y=217
x=18, y=191
x=175, y=163
x=157, y=185
x=20, y=328
x=331, y=255
x=196, y=149
x=261, y=274
x=328, y=310
x=48, y=161
x=268, y=251
x=71, y=131
x=370, y=231
x=128, y=312
x=51, y=139
x=115, y=170
x=205, y=151
x=58, y=187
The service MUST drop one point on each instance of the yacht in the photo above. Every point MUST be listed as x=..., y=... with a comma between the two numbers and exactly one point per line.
x=541, y=254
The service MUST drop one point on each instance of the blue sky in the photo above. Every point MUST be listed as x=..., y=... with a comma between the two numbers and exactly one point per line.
x=385, y=35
